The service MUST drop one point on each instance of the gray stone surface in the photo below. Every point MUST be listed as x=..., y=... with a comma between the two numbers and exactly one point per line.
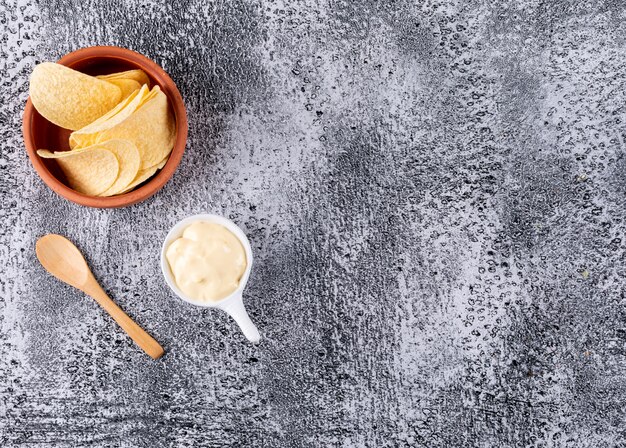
x=435, y=196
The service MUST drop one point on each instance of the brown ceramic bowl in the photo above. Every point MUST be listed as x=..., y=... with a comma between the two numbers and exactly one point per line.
x=40, y=133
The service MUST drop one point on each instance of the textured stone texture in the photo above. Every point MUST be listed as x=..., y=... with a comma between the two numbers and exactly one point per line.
x=435, y=194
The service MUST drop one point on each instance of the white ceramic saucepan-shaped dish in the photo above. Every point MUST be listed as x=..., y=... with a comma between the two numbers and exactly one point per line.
x=232, y=304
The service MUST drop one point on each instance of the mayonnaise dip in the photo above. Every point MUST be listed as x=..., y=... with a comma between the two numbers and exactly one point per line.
x=207, y=262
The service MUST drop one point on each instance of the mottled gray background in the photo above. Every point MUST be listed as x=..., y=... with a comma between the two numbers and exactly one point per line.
x=435, y=195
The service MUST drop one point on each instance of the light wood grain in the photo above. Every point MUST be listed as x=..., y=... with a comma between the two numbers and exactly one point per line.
x=62, y=259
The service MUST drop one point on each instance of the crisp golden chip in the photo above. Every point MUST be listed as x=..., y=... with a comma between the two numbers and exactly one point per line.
x=151, y=128
x=142, y=176
x=89, y=170
x=128, y=157
x=68, y=98
x=87, y=135
x=136, y=75
x=127, y=86
x=163, y=162
x=151, y=94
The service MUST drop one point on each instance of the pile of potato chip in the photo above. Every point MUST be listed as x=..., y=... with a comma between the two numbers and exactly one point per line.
x=123, y=130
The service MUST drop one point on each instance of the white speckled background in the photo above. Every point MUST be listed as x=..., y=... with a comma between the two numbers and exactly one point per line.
x=435, y=195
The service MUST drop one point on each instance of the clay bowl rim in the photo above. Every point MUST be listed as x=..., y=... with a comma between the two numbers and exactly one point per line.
x=153, y=185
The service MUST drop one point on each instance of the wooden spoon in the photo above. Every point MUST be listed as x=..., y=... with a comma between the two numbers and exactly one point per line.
x=63, y=260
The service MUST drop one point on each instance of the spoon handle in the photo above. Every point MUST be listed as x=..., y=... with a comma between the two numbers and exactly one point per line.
x=146, y=342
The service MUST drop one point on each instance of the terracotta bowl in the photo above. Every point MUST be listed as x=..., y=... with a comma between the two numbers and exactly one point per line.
x=40, y=133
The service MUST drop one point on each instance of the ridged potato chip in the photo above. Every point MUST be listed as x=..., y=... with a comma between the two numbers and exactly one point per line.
x=135, y=75
x=68, y=98
x=151, y=94
x=163, y=162
x=89, y=170
x=151, y=128
x=142, y=176
x=126, y=86
x=87, y=135
x=128, y=157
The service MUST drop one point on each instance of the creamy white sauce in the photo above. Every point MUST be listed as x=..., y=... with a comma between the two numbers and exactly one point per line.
x=208, y=261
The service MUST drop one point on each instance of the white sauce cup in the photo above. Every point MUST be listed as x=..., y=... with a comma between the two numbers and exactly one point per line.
x=232, y=304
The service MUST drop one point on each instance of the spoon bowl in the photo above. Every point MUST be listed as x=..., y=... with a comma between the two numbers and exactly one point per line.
x=63, y=260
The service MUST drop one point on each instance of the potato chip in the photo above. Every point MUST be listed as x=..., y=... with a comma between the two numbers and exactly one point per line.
x=87, y=135
x=142, y=176
x=68, y=98
x=151, y=128
x=89, y=170
x=151, y=94
x=128, y=157
x=163, y=162
x=127, y=86
x=136, y=75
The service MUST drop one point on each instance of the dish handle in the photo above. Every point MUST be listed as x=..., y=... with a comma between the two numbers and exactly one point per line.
x=235, y=308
